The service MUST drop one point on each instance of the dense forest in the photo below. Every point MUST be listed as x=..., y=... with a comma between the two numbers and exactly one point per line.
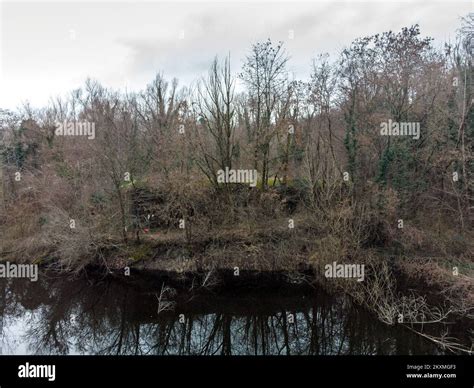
x=368, y=161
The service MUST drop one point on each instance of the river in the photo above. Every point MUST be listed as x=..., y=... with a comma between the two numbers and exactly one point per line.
x=57, y=315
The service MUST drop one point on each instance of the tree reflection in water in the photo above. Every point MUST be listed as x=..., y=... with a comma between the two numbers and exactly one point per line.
x=60, y=316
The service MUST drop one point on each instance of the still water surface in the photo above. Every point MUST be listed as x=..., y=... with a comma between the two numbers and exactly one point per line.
x=64, y=316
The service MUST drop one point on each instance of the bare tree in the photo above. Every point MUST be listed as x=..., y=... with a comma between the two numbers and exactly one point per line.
x=265, y=75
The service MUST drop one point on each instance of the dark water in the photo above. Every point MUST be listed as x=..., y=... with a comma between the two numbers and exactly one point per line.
x=61, y=316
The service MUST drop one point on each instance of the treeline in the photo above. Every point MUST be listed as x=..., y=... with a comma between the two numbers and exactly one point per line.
x=316, y=144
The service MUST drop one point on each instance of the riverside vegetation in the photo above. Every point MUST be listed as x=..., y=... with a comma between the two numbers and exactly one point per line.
x=144, y=191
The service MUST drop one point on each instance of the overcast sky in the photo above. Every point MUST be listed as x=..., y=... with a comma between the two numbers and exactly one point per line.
x=49, y=48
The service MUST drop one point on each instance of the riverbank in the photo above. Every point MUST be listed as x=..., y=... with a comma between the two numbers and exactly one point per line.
x=414, y=272
x=416, y=292
x=407, y=281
